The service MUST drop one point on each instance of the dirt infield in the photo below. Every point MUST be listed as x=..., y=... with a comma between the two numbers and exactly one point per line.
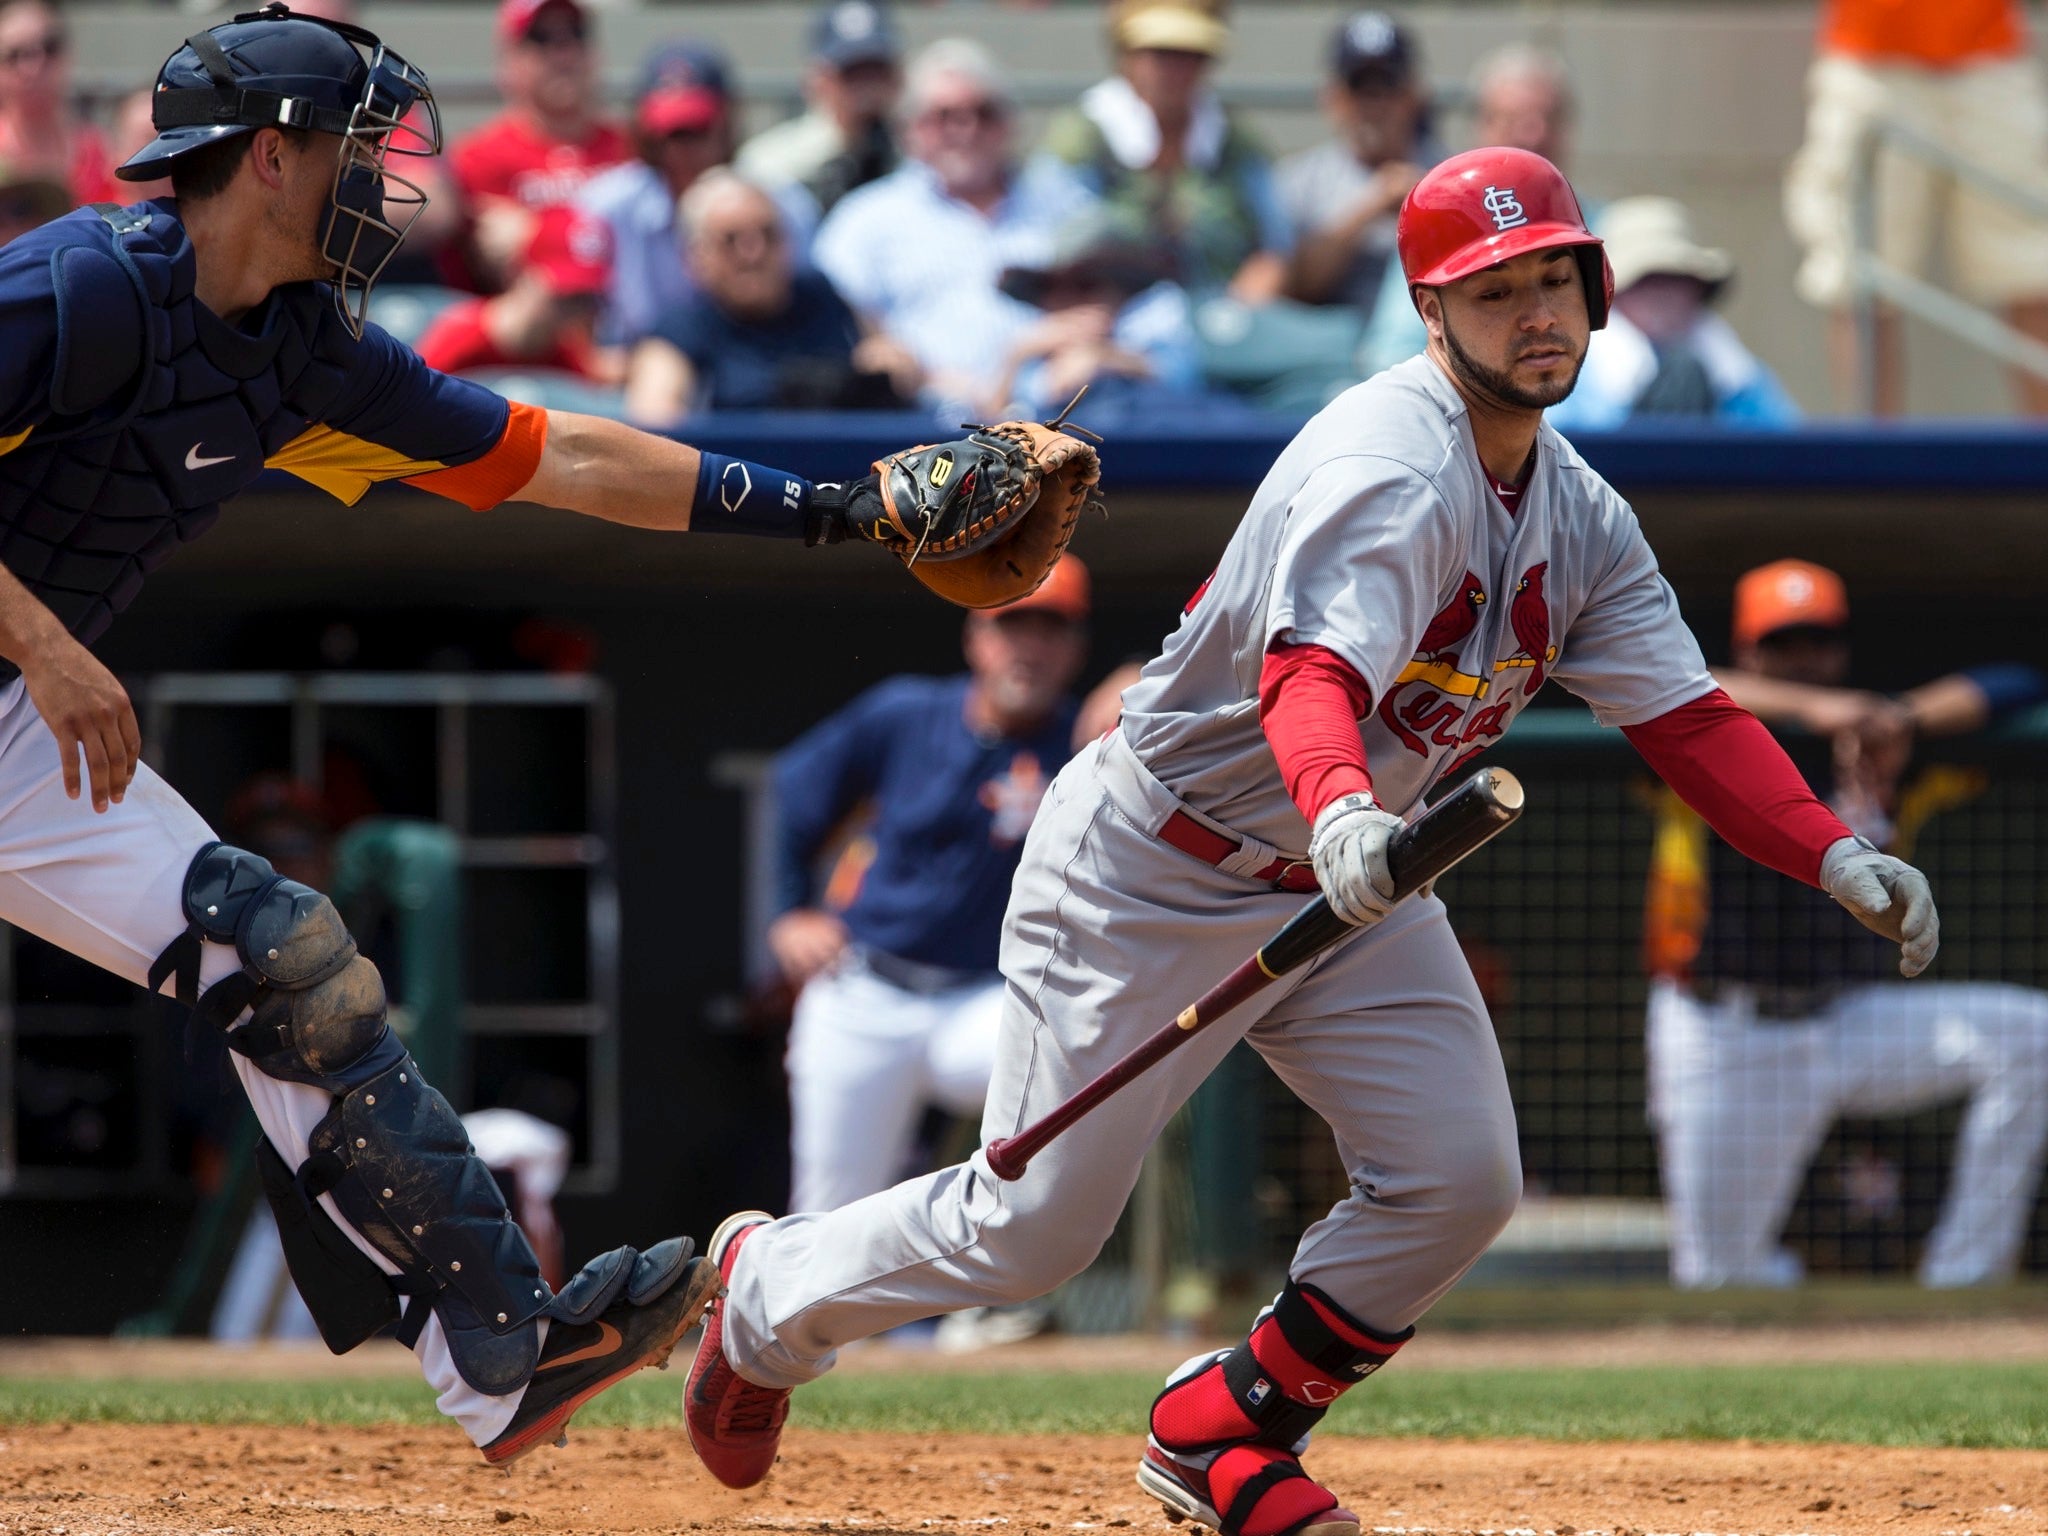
x=157, y=1480
x=125, y=1480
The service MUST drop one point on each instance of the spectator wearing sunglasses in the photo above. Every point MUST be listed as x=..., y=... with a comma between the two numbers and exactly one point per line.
x=759, y=333
x=549, y=141
x=682, y=127
x=918, y=253
x=41, y=130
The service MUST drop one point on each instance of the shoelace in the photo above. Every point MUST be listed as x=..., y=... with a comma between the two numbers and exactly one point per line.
x=751, y=1409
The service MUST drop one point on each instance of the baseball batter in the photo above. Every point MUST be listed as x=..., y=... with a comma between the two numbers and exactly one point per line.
x=1416, y=565
x=160, y=357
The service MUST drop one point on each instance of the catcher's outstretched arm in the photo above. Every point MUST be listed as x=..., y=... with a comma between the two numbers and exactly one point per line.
x=610, y=470
x=980, y=520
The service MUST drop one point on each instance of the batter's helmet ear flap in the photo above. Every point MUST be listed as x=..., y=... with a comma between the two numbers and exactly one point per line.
x=1598, y=272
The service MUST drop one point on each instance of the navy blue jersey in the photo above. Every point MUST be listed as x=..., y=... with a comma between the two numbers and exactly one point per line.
x=949, y=812
x=129, y=411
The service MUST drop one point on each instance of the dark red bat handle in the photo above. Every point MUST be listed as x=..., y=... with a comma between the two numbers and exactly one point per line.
x=1463, y=821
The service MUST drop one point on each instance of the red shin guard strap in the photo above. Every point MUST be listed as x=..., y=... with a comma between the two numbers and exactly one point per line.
x=1261, y=1491
x=1314, y=1350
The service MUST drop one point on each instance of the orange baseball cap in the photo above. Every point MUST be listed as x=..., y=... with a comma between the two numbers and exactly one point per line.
x=1065, y=591
x=1787, y=593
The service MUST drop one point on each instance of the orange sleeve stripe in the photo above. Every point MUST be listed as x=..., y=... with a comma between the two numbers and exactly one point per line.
x=502, y=472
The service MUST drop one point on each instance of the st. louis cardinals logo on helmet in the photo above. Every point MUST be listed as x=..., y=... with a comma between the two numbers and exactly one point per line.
x=1505, y=207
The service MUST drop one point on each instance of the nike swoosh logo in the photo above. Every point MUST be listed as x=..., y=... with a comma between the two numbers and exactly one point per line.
x=607, y=1342
x=193, y=461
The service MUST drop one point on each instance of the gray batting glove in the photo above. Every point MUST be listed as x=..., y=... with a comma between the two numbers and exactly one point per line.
x=1887, y=896
x=1349, y=851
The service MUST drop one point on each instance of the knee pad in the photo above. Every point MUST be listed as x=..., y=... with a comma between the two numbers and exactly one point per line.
x=391, y=1150
x=1302, y=1354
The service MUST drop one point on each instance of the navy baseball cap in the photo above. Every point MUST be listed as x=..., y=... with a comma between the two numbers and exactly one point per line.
x=683, y=86
x=1372, y=46
x=849, y=32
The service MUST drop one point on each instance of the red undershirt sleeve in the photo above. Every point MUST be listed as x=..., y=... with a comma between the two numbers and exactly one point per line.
x=1720, y=760
x=1310, y=703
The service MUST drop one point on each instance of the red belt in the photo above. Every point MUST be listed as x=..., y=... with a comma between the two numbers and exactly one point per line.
x=1182, y=831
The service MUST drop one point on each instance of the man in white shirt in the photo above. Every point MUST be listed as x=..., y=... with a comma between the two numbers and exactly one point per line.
x=918, y=254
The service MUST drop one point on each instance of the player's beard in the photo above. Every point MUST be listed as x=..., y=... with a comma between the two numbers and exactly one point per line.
x=1501, y=385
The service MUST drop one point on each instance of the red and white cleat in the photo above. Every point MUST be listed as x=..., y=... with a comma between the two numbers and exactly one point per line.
x=734, y=1425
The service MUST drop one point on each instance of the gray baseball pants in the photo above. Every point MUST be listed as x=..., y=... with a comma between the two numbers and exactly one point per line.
x=1110, y=933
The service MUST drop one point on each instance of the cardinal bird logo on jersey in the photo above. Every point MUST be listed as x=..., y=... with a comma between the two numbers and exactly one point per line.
x=1457, y=620
x=1427, y=702
x=1529, y=614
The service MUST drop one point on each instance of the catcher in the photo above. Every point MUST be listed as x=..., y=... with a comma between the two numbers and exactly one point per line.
x=161, y=357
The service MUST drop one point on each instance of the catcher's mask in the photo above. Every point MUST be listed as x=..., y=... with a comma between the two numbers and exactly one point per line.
x=272, y=68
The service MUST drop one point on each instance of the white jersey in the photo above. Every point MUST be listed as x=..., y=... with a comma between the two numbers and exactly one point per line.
x=1378, y=536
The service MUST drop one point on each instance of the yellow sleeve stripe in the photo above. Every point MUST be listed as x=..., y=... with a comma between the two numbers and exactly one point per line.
x=10, y=443
x=343, y=465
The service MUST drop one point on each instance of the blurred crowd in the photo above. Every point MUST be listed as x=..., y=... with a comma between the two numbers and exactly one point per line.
x=902, y=243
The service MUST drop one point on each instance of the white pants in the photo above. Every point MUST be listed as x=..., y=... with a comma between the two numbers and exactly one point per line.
x=108, y=888
x=1110, y=933
x=1741, y=1106
x=865, y=1058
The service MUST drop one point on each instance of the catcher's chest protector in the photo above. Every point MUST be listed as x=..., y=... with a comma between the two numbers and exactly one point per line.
x=161, y=411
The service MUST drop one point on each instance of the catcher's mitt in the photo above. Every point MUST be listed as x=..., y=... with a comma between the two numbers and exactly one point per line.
x=980, y=520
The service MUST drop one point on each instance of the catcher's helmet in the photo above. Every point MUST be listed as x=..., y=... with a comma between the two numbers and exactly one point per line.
x=1482, y=207
x=271, y=68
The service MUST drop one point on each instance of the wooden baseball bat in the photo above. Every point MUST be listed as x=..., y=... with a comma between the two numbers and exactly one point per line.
x=1459, y=824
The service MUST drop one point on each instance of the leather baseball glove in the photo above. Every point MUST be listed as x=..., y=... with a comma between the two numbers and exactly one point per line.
x=980, y=520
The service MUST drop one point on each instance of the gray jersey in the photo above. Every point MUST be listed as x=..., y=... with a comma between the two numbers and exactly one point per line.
x=1377, y=535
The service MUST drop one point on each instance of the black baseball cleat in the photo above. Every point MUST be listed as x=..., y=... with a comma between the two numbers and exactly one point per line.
x=642, y=1304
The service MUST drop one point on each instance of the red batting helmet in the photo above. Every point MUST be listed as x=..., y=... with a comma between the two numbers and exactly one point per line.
x=1486, y=205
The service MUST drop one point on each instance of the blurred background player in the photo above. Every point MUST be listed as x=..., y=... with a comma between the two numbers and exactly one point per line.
x=1774, y=1011
x=896, y=955
x=846, y=136
x=1666, y=350
x=1961, y=73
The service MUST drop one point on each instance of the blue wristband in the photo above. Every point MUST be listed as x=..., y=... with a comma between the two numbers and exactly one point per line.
x=2008, y=685
x=735, y=496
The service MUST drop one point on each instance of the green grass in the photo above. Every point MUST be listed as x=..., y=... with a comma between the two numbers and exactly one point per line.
x=1990, y=1405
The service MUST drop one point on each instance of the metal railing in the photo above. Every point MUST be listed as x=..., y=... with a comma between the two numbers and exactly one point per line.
x=1873, y=280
